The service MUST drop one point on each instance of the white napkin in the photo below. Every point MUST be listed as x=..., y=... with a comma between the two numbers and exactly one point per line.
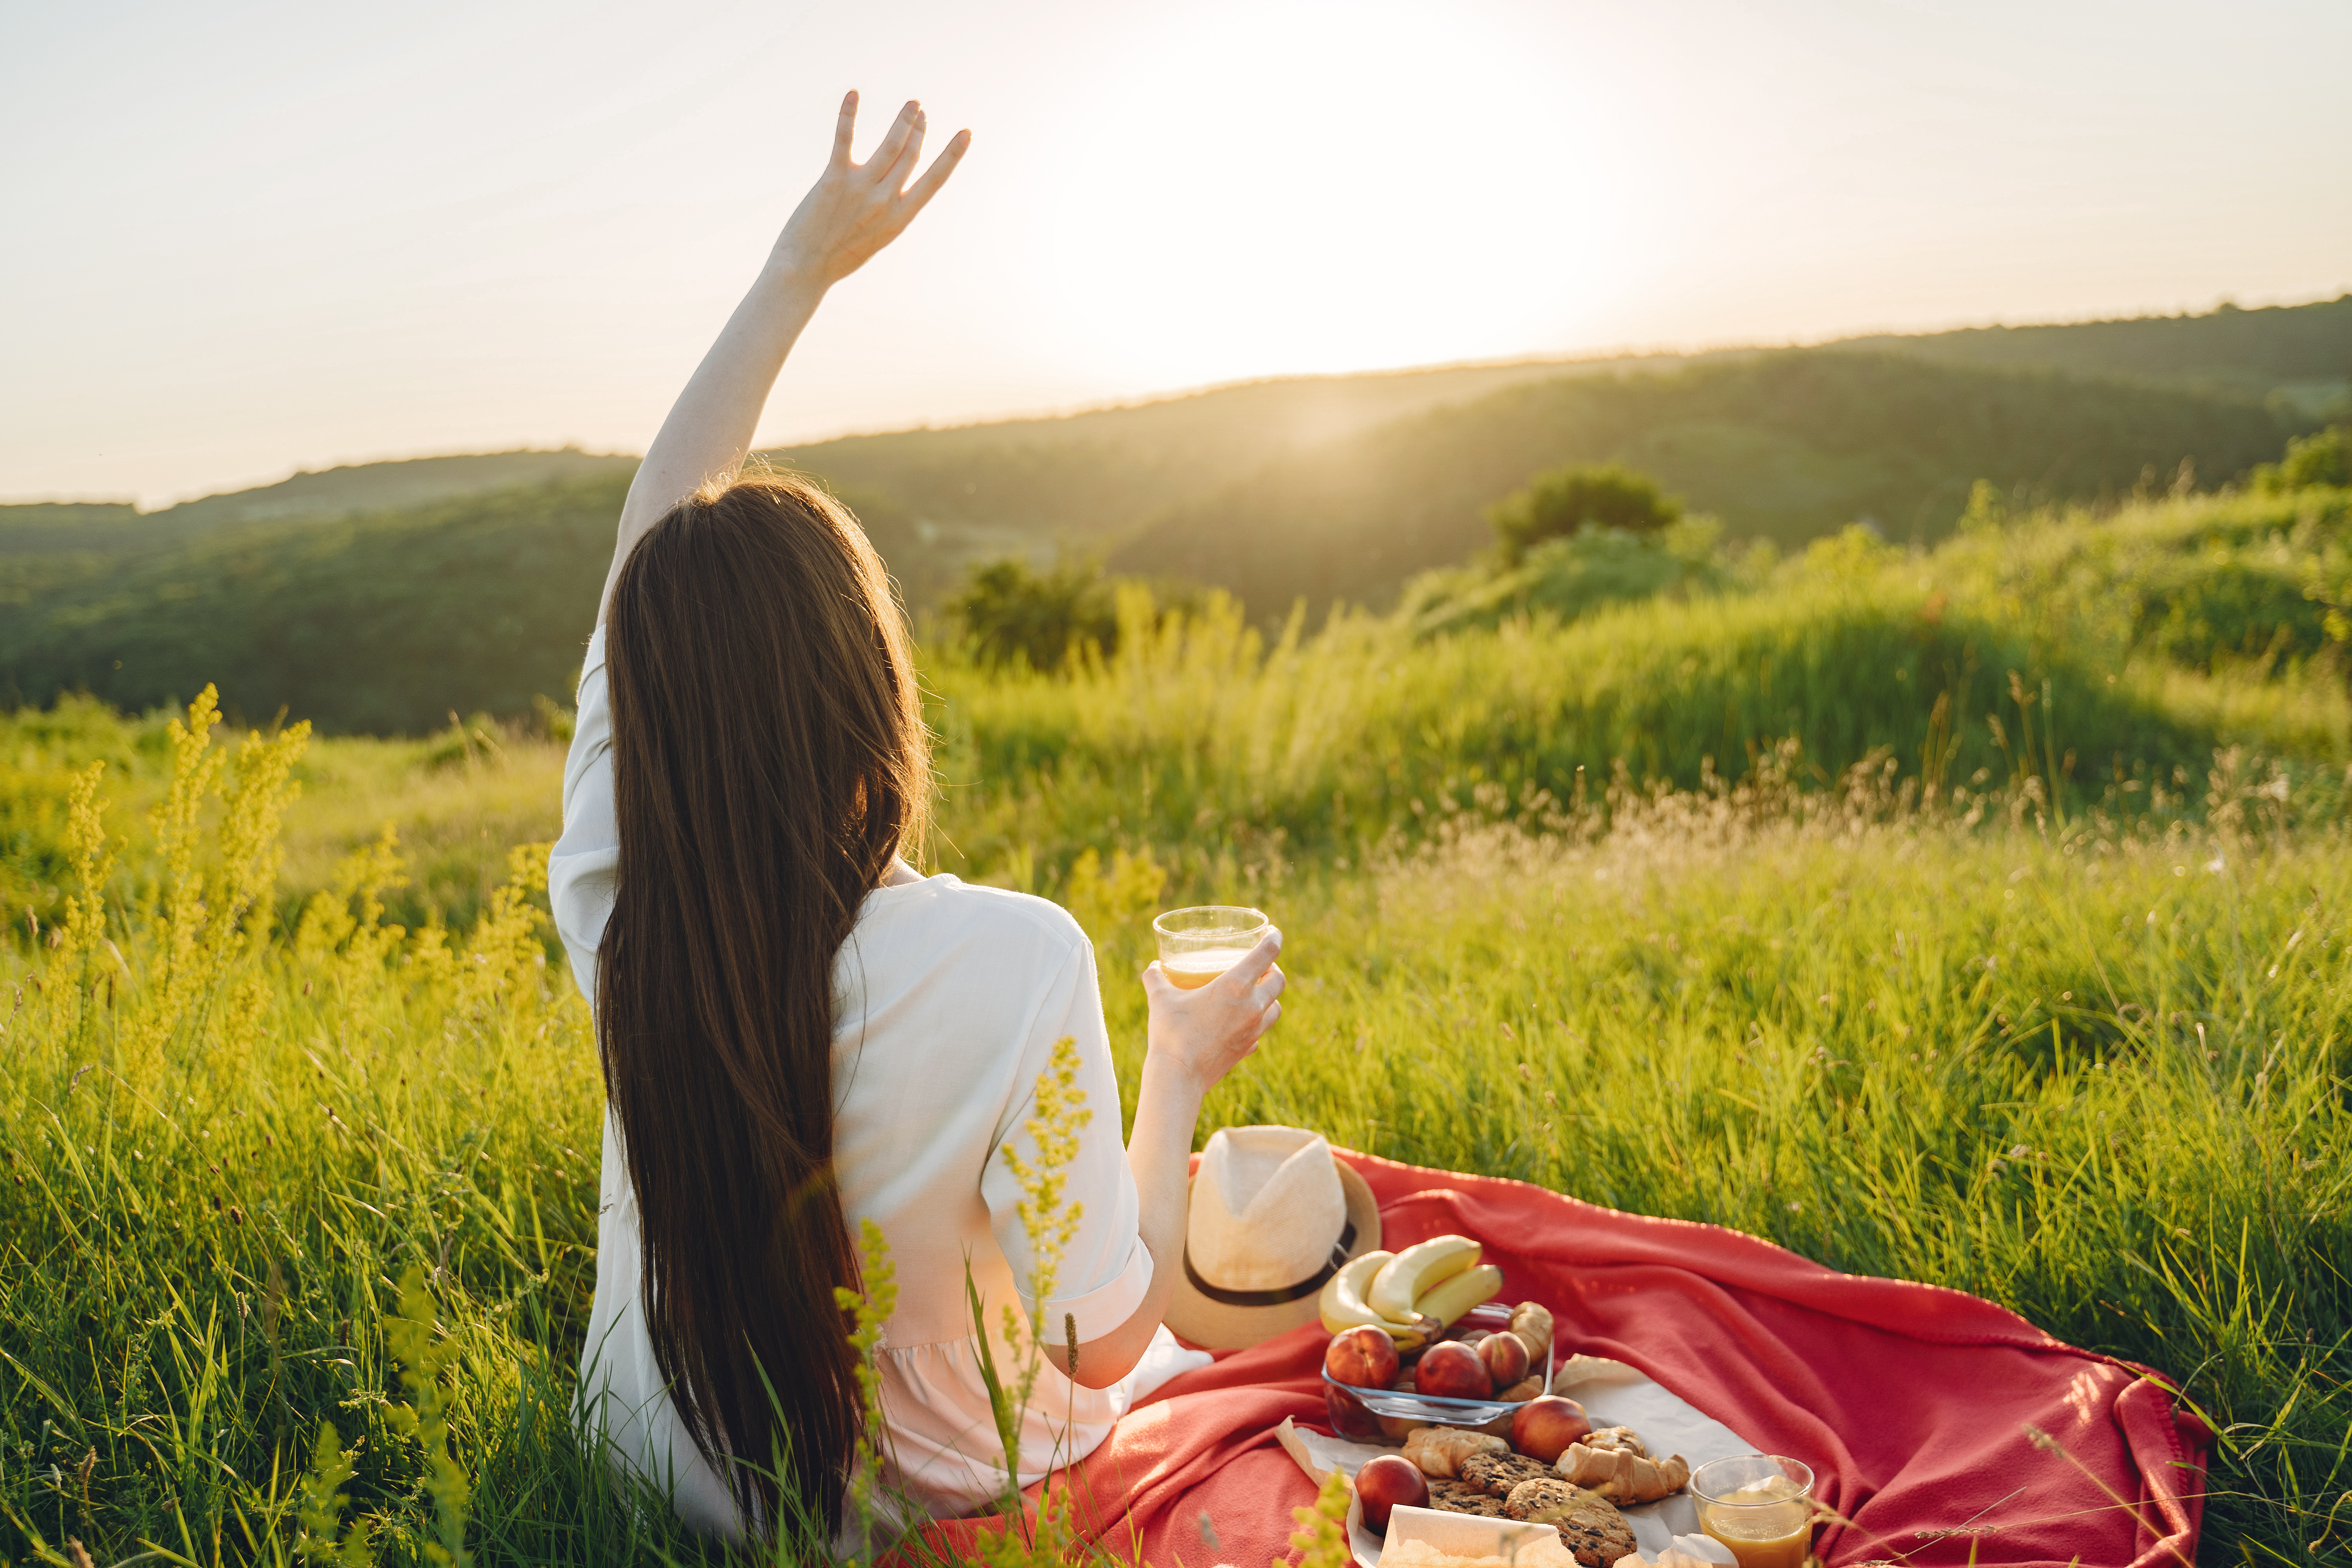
x=1686, y=1551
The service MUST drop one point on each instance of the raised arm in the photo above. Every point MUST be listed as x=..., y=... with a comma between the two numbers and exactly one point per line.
x=853, y=211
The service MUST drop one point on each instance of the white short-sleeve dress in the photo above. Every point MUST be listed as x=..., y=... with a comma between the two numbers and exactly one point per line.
x=949, y=1001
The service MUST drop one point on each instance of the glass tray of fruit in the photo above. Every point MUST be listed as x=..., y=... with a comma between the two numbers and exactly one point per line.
x=1417, y=1338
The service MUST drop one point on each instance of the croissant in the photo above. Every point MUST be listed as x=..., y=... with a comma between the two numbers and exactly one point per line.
x=1439, y=1450
x=1612, y=1439
x=1620, y=1475
x=1532, y=1322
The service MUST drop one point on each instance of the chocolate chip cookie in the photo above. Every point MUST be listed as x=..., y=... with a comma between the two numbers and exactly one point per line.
x=1497, y=1474
x=1590, y=1525
x=1461, y=1497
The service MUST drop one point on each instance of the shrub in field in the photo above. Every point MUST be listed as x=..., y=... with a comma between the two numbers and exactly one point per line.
x=1011, y=614
x=1567, y=577
x=2323, y=457
x=1566, y=502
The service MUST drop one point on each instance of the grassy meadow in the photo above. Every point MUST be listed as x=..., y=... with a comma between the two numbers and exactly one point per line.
x=1976, y=915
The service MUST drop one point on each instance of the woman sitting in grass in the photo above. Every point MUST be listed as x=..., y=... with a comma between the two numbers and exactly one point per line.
x=799, y=1032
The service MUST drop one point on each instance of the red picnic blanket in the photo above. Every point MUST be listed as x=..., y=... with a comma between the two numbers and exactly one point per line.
x=1914, y=1404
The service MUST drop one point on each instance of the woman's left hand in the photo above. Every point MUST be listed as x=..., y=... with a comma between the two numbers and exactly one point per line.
x=856, y=209
x=1203, y=1034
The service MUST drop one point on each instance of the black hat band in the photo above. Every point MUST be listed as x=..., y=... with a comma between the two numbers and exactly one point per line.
x=1288, y=1293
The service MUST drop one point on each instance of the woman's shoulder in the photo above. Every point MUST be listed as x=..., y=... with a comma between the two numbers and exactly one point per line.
x=948, y=915
x=943, y=957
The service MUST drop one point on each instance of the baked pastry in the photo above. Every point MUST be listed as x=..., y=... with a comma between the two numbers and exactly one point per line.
x=1498, y=1473
x=1616, y=1439
x=1461, y=1497
x=1590, y=1526
x=1527, y=1388
x=1440, y=1450
x=1532, y=1323
x=1622, y=1475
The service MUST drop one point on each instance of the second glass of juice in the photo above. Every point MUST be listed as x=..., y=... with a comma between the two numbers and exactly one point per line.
x=1759, y=1505
x=1198, y=944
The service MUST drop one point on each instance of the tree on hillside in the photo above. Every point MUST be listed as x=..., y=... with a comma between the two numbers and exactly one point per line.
x=1563, y=502
x=1011, y=614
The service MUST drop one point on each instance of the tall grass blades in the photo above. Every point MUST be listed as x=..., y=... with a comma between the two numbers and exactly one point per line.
x=1739, y=908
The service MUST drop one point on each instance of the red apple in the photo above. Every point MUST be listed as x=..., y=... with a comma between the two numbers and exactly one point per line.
x=1347, y=1416
x=1547, y=1424
x=1387, y=1483
x=1361, y=1357
x=1452, y=1370
x=1505, y=1356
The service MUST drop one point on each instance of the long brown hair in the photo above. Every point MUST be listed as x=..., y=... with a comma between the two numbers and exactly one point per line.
x=769, y=758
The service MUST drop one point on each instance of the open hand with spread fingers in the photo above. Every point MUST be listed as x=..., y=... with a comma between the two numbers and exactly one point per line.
x=854, y=209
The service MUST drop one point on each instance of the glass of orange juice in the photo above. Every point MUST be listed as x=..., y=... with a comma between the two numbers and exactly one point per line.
x=1198, y=944
x=1759, y=1505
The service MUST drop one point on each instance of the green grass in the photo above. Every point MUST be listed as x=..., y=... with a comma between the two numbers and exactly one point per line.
x=2078, y=1042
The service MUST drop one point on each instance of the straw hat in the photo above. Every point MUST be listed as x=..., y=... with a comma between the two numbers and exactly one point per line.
x=1271, y=1218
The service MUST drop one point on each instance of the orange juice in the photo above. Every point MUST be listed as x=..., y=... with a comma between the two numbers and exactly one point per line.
x=1193, y=970
x=1767, y=1524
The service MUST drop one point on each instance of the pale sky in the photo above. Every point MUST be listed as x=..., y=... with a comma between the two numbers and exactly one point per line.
x=243, y=238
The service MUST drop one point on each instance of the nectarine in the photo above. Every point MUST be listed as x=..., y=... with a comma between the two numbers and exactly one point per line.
x=1389, y=1481
x=1452, y=1370
x=1547, y=1424
x=1361, y=1357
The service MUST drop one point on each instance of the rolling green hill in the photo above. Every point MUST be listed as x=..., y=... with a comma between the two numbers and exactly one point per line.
x=1087, y=478
x=1104, y=473
x=1784, y=446
x=378, y=597
x=386, y=621
x=47, y=548
x=2302, y=352
x=381, y=623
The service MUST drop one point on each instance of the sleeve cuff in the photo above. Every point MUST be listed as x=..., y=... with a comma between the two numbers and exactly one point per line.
x=1103, y=1309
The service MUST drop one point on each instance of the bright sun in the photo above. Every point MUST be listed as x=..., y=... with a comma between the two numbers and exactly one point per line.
x=1354, y=185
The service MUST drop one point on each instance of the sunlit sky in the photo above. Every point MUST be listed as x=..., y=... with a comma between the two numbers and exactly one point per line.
x=243, y=239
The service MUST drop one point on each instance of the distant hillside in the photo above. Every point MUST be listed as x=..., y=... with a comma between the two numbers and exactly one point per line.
x=1107, y=474
x=331, y=492
x=1101, y=475
x=379, y=596
x=1786, y=446
x=380, y=623
x=2303, y=351
x=387, y=621
x=981, y=490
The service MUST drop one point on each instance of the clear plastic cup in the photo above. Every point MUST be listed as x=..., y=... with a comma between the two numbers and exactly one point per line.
x=1198, y=944
x=1758, y=1504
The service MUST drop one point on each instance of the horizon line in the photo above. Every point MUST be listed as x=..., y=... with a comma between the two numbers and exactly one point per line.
x=2225, y=304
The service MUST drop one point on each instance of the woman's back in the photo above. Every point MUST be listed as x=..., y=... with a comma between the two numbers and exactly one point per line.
x=950, y=999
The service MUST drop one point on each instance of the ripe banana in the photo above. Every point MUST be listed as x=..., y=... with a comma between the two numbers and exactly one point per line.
x=1450, y=1298
x=1413, y=1273
x=1343, y=1307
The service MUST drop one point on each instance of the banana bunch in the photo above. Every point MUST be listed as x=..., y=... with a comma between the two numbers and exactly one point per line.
x=1415, y=1295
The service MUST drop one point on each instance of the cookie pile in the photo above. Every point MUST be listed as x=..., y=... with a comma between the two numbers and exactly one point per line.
x=1578, y=1493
